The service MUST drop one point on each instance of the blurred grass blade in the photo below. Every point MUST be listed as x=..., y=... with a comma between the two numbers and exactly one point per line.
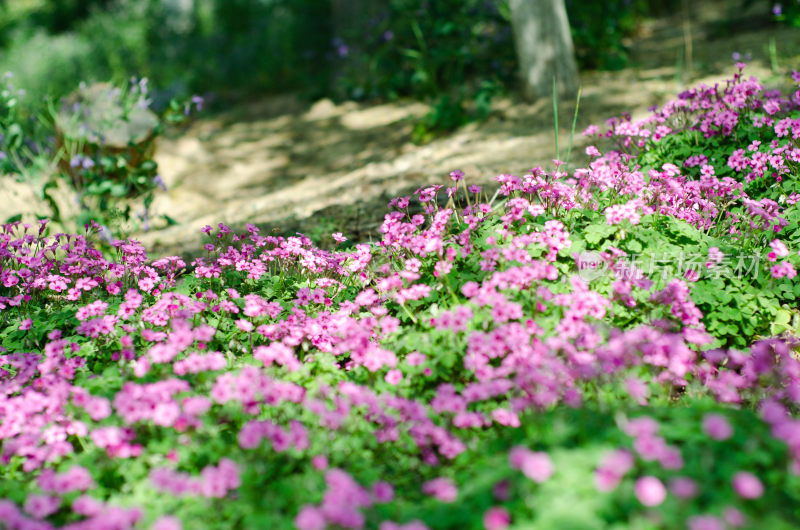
x=555, y=114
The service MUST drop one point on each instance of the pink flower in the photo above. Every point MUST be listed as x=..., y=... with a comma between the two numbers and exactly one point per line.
x=747, y=485
x=537, y=466
x=26, y=324
x=393, y=377
x=779, y=250
x=167, y=522
x=506, y=417
x=641, y=426
x=716, y=426
x=98, y=408
x=415, y=358
x=319, y=462
x=715, y=257
x=310, y=518
x=704, y=522
x=496, y=518
x=416, y=524
x=244, y=325
x=40, y=506
x=87, y=506
x=442, y=489
x=783, y=270
x=383, y=492
x=650, y=491
x=733, y=517
x=683, y=487
x=637, y=389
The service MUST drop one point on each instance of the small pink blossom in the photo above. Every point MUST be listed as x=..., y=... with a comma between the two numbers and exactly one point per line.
x=704, y=522
x=40, y=506
x=496, y=518
x=383, y=492
x=244, y=325
x=319, y=462
x=683, y=487
x=537, y=466
x=747, y=485
x=650, y=491
x=310, y=518
x=167, y=522
x=393, y=377
x=716, y=426
x=442, y=489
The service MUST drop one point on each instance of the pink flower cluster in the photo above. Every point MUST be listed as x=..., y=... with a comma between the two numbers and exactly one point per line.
x=214, y=482
x=340, y=505
x=537, y=466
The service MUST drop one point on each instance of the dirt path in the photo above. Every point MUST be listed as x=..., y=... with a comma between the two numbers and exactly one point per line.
x=293, y=165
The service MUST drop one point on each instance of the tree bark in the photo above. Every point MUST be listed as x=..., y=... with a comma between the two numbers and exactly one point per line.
x=544, y=47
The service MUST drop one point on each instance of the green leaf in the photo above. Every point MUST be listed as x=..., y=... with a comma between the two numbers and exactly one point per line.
x=118, y=190
x=597, y=232
x=634, y=246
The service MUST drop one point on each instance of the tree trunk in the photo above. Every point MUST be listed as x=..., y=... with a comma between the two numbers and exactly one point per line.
x=544, y=47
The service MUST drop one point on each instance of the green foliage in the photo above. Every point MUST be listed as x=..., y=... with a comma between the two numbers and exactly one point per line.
x=43, y=142
x=786, y=12
x=458, y=54
x=599, y=29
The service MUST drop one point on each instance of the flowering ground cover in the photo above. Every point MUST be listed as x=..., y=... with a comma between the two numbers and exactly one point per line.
x=606, y=347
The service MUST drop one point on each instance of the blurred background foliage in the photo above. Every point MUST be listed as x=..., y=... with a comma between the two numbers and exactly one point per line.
x=455, y=54
x=417, y=48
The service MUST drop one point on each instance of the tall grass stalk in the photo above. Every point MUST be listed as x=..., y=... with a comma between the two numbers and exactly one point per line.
x=574, y=123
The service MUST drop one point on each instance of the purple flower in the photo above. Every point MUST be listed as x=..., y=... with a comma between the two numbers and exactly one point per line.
x=198, y=102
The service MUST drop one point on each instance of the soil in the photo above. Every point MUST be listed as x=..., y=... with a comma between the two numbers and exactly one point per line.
x=324, y=167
